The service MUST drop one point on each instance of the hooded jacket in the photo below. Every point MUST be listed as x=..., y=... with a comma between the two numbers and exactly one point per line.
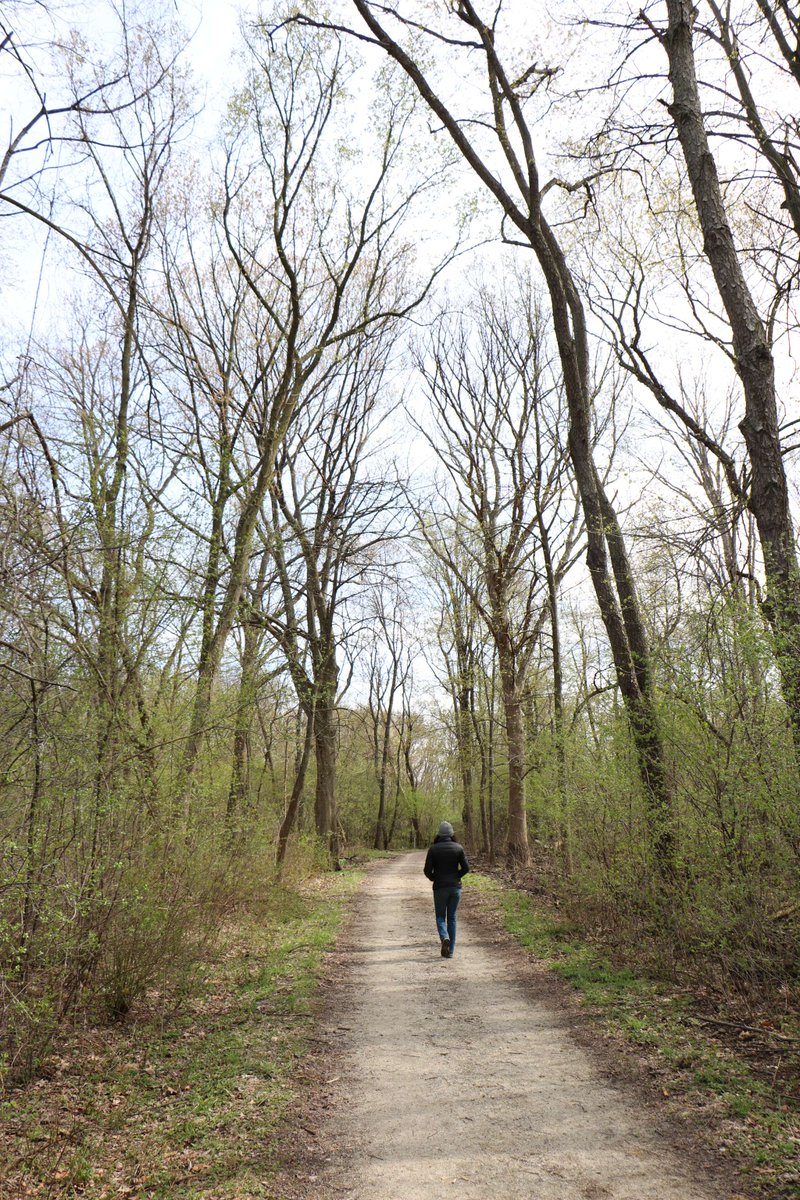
x=445, y=863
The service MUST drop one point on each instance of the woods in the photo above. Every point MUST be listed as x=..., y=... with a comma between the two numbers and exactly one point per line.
x=416, y=438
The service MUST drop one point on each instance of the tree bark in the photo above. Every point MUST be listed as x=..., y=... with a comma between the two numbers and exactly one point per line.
x=325, y=745
x=464, y=719
x=381, y=832
x=486, y=843
x=517, y=844
x=558, y=687
x=245, y=707
x=300, y=769
x=769, y=493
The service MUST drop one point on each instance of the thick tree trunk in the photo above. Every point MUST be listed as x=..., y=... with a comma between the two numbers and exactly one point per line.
x=381, y=839
x=245, y=708
x=396, y=806
x=325, y=745
x=292, y=808
x=482, y=780
x=381, y=831
x=558, y=693
x=464, y=722
x=490, y=794
x=769, y=494
x=517, y=843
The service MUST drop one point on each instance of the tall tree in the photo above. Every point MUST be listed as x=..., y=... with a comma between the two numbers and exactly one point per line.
x=328, y=514
x=498, y=436
x=753, y=359
x=507, y=168
x=323, y=270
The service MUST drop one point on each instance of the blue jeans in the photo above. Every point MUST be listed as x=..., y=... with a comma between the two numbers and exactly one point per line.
x=445, y=902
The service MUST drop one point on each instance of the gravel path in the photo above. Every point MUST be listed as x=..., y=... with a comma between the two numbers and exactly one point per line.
x=458, y=1081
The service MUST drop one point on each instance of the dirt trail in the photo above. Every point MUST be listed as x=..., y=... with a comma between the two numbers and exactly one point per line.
x=458, y=1081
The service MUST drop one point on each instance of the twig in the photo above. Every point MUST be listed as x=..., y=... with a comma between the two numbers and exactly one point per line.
x=780, y=1037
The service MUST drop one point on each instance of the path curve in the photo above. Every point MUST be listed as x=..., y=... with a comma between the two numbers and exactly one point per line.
x=458, y=1081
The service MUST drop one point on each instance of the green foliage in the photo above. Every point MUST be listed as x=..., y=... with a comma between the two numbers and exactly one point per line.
x=736, y=825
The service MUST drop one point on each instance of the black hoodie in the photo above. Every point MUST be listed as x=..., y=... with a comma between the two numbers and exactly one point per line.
x=445, y=863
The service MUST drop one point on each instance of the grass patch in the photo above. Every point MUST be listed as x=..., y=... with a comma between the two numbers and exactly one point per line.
x=747, y=1115
x=183, y=1105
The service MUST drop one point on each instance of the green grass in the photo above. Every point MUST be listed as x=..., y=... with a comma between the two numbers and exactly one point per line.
x=186, y=1105
x=691, y=1066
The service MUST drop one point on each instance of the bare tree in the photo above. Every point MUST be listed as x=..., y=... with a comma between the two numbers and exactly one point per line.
x=388, y=701
x=512, y=178
x=499, y=438
x=322, y=270
x=329, y=513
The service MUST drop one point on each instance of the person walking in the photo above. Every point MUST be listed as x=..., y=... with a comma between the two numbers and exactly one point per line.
x=445, y=864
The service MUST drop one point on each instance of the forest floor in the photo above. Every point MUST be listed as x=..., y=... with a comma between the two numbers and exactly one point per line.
x=307, y=1062
x=184, y=1099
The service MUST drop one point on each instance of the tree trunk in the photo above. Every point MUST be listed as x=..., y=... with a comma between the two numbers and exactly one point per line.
x=483, y=780
x=325, y=739
x=380, y=839
x=464, y=721
x=490, y=771
x=381, y=832
x=517, y=843
x=769, y=493
x=397, y=794
x=245, y=706
x=31, y=821
x=558, y=693
x=300, y=768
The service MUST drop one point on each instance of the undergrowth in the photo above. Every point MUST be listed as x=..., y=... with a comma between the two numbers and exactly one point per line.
x=184, y=1103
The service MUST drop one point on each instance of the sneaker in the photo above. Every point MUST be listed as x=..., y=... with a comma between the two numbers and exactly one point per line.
x=445, y=947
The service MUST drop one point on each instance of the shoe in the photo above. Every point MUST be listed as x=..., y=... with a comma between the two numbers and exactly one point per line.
x=445, y=947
